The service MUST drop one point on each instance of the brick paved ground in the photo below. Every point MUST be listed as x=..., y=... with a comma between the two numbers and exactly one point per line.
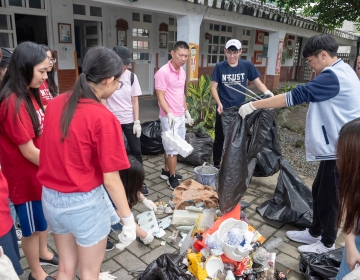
x=138, y=256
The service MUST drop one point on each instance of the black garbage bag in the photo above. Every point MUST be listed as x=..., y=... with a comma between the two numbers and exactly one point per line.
x=268, y=159
x=166, y=267
x=292, y=201
x=243, y=141
x=233, y=174
x=322, y=266
x=203, y=147
x=151, y=142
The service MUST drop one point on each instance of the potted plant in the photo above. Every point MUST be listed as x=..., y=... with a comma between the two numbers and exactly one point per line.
x=201, y=105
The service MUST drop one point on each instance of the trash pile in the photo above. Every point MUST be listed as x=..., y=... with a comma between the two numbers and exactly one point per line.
x=215, y=247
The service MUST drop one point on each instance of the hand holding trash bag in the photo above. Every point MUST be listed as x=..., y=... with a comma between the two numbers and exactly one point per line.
x=128, y=233
x=268, y=94
x=246, y=109
x=188, y=119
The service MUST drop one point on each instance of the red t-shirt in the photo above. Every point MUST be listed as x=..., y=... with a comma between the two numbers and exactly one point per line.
x=15, y=130
x=5, y=218
x=93, y=146
x=45, y=94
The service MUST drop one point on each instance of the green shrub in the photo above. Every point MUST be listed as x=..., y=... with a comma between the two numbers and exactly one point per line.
x=201, y=105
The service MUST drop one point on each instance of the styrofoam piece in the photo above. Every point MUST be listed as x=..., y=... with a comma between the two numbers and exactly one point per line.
x=147, y=222
x=177, y=143
x=160, y=233
x=184, y=217
x=166, y=222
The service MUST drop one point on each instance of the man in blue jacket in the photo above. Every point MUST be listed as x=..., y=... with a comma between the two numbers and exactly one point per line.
x=334, y=100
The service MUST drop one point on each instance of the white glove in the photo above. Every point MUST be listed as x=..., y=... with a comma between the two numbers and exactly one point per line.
x=149, y=204
x=246, y=109
x=188, y=119
x=171, y=119
x=148, y=238
x=268, y=93
x=128, y=233
x=106, y=276
x=137, y=128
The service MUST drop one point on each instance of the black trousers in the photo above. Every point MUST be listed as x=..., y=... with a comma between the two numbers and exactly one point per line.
x=326, y=203
x=219, y=140
x=133, y=141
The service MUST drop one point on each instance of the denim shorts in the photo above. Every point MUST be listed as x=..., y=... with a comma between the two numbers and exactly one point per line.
x=86, y=215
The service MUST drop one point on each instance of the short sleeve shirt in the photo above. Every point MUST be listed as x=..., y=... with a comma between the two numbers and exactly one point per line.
x=45, y=94
x=224, y=74
x=173, y=83
x=5, y=218
x=17, y=129
x=120, y=102
x=94, y=145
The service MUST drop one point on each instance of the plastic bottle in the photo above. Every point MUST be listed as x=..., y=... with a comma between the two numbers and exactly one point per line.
x=273, y=244
x=230, y=275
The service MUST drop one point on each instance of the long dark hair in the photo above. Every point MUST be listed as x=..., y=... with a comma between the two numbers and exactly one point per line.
x=348, y=163
x=53, y=88
x=19, y=76
x=99, y=63
x=133, y=179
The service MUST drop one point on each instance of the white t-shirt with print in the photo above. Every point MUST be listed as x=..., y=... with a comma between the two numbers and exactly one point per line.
x=119, y=103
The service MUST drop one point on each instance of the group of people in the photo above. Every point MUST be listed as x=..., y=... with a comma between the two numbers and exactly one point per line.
x=83, y=182
x=332, y=128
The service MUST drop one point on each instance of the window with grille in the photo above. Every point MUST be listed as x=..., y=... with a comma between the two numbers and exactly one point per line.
x=220, y=34
x=172, y=38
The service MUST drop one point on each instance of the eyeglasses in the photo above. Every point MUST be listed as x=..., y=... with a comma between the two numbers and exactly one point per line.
x=232, y=52
x=120, y=84
x=308, y=61
x=53, y=60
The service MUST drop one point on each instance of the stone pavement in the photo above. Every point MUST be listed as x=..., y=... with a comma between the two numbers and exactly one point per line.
x=138, y=256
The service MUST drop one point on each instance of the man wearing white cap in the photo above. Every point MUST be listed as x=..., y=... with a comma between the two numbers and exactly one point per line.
x=231, y=72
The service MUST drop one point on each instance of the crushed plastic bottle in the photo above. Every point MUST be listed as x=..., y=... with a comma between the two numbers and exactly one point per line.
x=273, y=244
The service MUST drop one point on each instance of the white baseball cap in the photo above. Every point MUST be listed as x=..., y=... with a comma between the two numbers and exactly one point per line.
x=233, y=42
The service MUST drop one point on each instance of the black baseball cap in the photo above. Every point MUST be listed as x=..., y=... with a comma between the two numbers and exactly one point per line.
x=124, y=54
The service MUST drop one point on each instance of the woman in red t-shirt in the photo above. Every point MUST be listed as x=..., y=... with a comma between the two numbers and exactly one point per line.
x=82, y=148
x=21, y=120
x=49, y=89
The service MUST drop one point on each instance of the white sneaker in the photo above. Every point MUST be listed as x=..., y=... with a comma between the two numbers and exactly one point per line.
x=302, y=236
x=317, y=248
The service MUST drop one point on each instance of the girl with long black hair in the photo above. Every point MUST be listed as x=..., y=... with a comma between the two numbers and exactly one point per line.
x=49, y=89
x=82, y=148
x=21, y=122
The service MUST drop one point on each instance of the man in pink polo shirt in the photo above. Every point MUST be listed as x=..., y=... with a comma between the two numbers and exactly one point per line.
x=170, y=86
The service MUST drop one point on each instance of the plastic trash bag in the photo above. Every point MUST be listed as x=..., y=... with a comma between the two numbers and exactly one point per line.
x=292, y=201
x=232, y=177
x=244, y=139
x=268, y=159
x=203, y=147
x=166, y=267
x=151, y=142
x=322, y=266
